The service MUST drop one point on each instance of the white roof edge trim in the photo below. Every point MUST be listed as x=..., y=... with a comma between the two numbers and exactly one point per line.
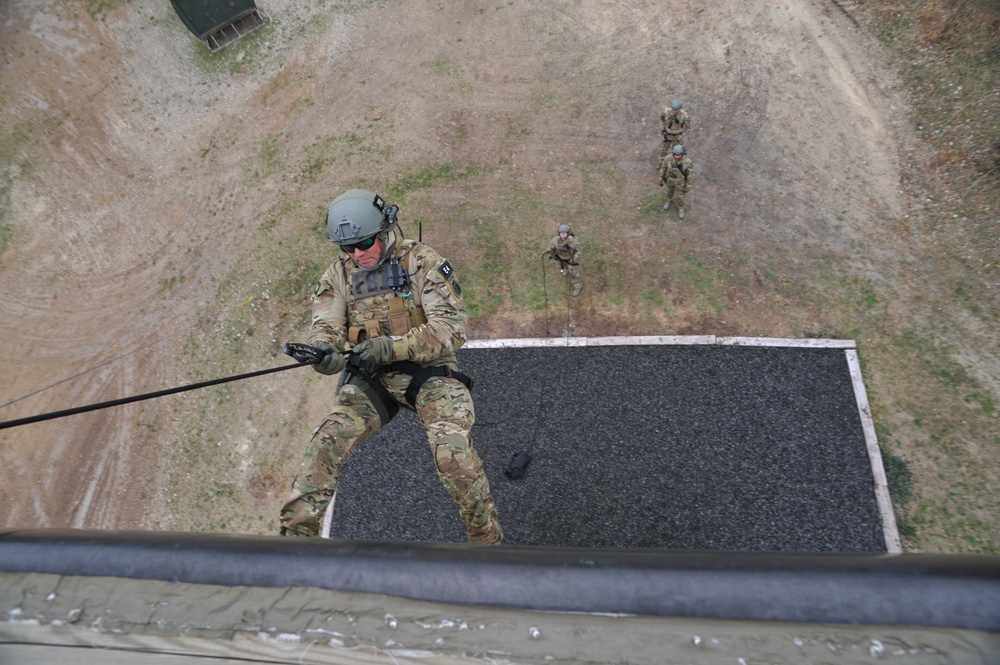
x=883, y=498
x=665, y=340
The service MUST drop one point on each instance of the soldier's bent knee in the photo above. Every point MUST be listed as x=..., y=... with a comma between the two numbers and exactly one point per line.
x=302, y=514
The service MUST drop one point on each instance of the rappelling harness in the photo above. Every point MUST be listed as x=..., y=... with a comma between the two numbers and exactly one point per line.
x=392, y=280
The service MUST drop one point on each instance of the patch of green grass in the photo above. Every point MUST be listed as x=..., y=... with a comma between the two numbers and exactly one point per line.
x=846, y=306
x=933, y=359
x=970, y=297
x=269, y=159
x=512, y=268
x=6, y=234
x=97, y=9
x=482, y=287
x=350, y=6
x=169, y=283
x=600, y=187
x=442, y=66
x=283, y=208
x=651, y=206
x=891, y=31
x=704, y=283
x=515, y=129
x=289, y=79
x=207, y=150
x=343, y=150
x=6, y=230
x=430, y=176
x=23, y=138
x=450, y=69
x=651, y=295
x=982, y=401
x=868, y=296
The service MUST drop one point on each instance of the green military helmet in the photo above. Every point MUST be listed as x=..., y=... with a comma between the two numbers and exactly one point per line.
x=676, y=105
x=563, y=228
x=358, y=214
x=679, y=150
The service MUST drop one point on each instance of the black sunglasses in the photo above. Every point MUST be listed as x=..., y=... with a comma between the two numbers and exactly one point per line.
x=361, y=244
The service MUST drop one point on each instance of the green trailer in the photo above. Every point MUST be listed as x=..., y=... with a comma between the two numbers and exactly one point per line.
x=218, y=23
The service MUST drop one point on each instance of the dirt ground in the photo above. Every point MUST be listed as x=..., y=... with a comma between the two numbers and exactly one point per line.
x=141, y=170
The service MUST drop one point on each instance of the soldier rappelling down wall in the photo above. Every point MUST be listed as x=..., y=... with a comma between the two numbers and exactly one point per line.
x=565, y=248
x=396, y=306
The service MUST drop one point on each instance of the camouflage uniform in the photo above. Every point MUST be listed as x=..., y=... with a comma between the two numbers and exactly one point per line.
x=427, y=323
x=568, y=253
x=674, y=126
x=676, y=174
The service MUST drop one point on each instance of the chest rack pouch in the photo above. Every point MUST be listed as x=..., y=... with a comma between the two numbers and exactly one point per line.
x=401, y=319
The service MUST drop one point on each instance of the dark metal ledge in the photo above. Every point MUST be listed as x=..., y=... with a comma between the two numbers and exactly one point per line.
x=934, y=590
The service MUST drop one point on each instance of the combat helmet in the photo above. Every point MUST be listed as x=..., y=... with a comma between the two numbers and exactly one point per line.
x=564, y=228
x=360, y=214
x=679, y=150
x=676, y=105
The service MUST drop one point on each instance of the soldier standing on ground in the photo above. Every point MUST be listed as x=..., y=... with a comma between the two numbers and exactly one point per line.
x=676, y=174
x=397, y=306
x=675, y=122
x=565, y=248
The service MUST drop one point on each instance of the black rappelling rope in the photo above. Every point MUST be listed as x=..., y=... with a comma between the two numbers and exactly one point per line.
x=545, y=290
x=137, y=398
x=99, y=365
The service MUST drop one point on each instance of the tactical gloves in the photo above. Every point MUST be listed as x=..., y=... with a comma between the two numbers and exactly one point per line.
x=377, y=350
x=332, y=362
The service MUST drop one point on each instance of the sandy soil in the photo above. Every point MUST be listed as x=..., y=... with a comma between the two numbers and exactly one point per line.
x=133, y=180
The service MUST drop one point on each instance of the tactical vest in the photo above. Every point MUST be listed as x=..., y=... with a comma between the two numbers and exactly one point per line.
x=563, y=248
x=676, y=172
x=674, y=123
x=381, y=301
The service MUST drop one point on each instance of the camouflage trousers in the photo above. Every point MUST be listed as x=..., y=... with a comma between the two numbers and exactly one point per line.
x=572, y=273
x=444, y=407
x=676, y=194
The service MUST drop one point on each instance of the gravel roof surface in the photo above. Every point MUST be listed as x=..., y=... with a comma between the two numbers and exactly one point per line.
x=729, y=448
